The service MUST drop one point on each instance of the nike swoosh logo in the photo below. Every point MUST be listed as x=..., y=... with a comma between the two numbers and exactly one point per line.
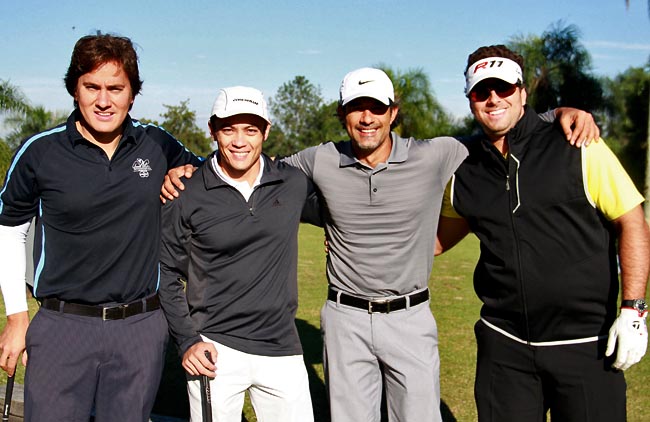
x=364, y=82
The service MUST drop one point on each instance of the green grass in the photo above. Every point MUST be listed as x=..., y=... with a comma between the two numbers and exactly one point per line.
x=456, y=309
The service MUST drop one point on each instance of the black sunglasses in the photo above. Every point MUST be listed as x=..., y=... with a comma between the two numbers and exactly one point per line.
x=481, y=92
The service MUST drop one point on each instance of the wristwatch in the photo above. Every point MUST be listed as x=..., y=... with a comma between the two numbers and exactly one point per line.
x=638, y=305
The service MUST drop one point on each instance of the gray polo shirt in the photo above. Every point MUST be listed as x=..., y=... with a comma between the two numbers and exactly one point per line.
x=381, y=223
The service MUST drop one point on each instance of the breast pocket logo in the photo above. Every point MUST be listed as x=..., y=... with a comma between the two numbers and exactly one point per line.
x=141, y=167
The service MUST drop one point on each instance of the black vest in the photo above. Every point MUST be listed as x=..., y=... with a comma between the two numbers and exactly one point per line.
x=547, y=269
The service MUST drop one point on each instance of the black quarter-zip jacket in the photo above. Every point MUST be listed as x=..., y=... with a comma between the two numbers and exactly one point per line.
x=547, y=269
x=239, y=259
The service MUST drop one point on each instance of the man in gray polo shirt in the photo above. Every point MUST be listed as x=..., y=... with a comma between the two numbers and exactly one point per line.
x=381, y=196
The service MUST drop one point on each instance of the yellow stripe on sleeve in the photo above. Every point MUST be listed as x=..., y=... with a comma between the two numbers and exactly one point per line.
x=610, y=187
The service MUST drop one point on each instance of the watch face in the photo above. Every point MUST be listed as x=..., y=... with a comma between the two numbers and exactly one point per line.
x=640, y=305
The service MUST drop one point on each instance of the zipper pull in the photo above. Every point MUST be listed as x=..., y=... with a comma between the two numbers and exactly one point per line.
x=508, y=182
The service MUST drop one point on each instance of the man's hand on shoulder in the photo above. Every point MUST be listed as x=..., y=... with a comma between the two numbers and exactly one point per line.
x=579, y=126
x=173, y=183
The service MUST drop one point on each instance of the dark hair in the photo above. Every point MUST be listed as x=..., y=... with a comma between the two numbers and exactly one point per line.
x=498, y=50
x=92, y=51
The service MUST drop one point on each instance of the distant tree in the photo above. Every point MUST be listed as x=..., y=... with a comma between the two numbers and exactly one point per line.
x=625, y=123
x=326, y=125
x=30, y=121
x=293, y=110
x=421, y=115
x=558, y=70
x=323, y=125
x=180, y=121
x=5, y=160
x=647, y=169
x=11, y=98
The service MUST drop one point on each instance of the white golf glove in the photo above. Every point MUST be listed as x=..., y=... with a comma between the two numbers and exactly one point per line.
x=632, y=334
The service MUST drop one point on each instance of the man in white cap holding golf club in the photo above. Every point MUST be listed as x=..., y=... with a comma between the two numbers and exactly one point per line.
x=232, y=236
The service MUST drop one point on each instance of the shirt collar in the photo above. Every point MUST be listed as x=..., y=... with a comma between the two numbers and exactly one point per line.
x=128, y=129
x=232, y=182
x=268, y=172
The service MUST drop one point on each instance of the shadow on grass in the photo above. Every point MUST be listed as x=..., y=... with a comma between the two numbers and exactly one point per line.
x=172, y=394
x=312, y=346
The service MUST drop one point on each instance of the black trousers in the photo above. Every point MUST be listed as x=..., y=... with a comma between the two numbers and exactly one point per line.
x=518, y=382
x=77, y=364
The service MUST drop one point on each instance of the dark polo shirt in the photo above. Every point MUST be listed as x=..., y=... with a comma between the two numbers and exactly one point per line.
x=98, y=220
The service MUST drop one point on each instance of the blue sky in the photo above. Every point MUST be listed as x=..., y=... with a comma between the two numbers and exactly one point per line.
x=190, y=49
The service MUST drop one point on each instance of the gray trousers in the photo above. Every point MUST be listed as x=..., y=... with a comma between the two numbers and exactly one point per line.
x=77, y=364
x=358, y=346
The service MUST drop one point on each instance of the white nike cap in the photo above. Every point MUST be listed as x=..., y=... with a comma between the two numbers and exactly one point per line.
x=367, y=82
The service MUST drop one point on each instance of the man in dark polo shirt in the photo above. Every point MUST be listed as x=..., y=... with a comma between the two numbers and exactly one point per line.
x=99, y=338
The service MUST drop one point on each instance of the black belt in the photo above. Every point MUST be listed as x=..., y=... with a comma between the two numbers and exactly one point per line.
x=379, y=305
x=139, y=306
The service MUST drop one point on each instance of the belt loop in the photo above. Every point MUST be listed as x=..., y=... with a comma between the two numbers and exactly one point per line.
x=338, y=298
x=408, y=302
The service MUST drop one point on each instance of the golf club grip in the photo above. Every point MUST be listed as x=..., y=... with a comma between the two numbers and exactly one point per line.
x=206, y=399
x=8, y=394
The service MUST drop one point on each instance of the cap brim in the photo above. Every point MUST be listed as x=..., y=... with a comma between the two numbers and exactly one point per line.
x=383, y=100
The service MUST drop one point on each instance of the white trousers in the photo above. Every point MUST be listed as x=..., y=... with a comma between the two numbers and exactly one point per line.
x=277, y=385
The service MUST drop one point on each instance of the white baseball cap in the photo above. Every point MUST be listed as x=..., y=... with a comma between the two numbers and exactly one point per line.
x=367, y=82
x=492, y=67
x=240, y=100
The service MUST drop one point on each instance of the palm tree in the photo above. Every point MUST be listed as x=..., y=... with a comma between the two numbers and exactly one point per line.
x=421, y=115
x=11, y=98
x=30, y=121
x=647, y=169
x=557, y=70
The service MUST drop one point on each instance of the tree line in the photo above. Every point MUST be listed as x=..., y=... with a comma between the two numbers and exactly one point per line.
x=558, y=72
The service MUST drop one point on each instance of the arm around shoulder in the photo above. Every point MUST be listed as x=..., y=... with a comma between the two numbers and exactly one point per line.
x=450, y=232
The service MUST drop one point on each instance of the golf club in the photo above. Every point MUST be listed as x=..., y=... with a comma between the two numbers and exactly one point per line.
x=206, y=399
x=8, y=393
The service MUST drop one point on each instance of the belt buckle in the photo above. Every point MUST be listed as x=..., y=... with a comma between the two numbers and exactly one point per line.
x=379, y=302
x=105, y=311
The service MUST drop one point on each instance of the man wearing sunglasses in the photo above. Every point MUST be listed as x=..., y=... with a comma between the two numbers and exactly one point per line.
x=548, y=217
